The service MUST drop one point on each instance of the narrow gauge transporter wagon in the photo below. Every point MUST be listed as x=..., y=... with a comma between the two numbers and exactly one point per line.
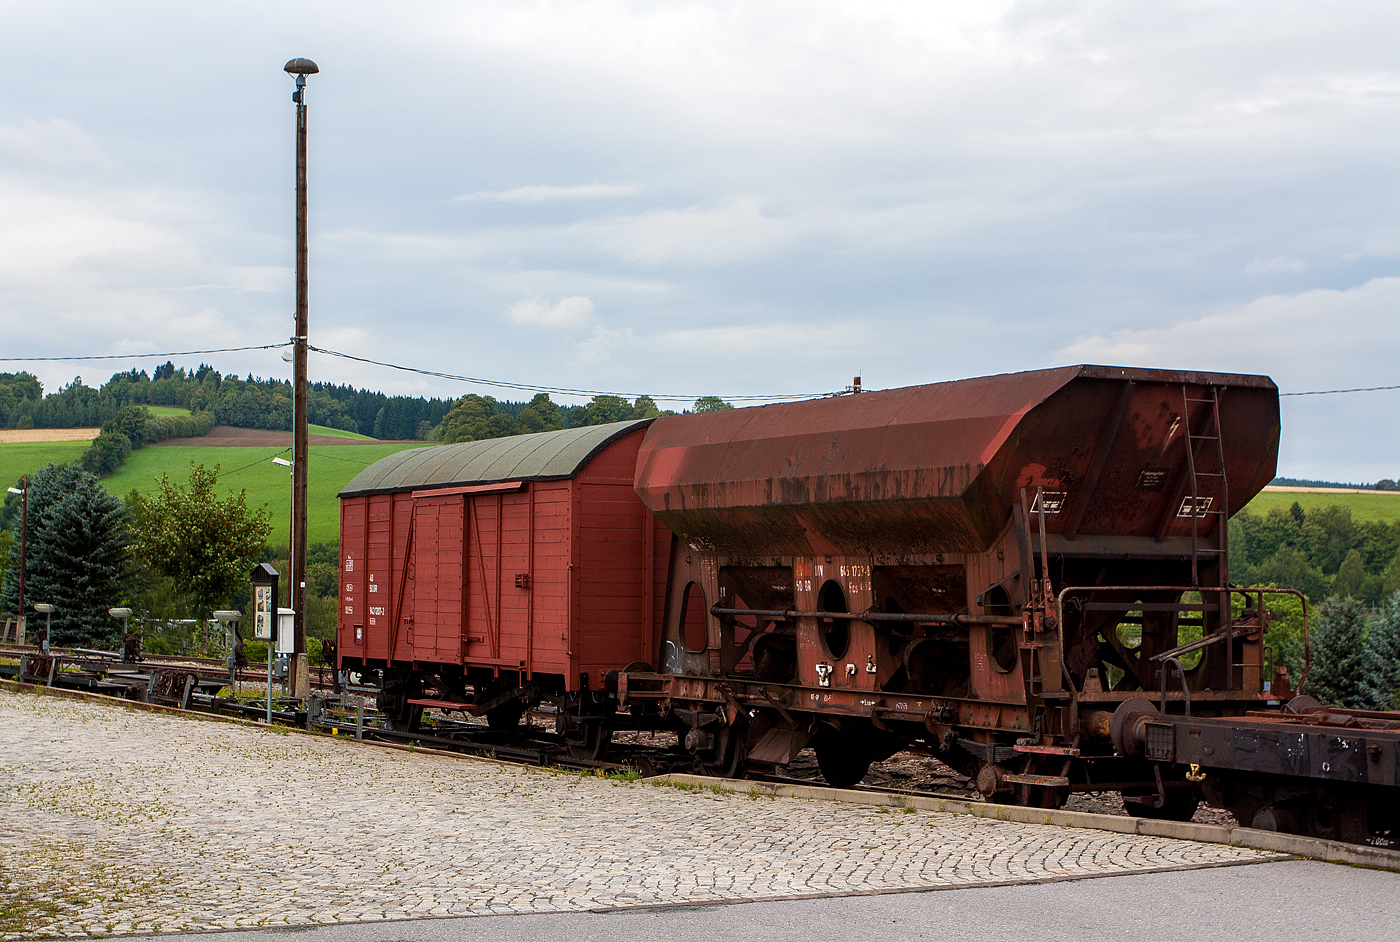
x=1002, y=571
x=501, y=573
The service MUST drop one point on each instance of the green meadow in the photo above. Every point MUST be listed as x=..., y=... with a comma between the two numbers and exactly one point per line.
x=1379, y=505
x=251, y=469
x=28, y=457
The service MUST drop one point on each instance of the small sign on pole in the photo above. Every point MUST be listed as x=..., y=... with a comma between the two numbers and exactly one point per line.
x=265, y=618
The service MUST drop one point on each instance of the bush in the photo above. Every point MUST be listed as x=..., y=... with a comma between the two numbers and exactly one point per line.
x=161, y=427
x=106, y=453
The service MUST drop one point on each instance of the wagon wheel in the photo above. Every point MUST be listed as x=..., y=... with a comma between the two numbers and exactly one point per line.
x=592, y=742
x=842, y=757
x=1180, y=805
x=730, y=754
x=506, y=717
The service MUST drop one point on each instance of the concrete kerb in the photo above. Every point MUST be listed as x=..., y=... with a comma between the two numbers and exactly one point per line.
x=1292, y=844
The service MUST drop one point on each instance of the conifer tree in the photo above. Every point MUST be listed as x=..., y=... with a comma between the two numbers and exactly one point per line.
x=1383, y=649
x=1340, y=657
x=76, y=558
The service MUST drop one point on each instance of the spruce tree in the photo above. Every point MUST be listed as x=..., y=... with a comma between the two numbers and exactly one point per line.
x=1340, y=658
x=76, y=558
x=1383, y=650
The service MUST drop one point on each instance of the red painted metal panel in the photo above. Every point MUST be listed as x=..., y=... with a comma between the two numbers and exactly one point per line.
x=614, y=586
x=378, y=575
x=437, y=584
x=353, y=531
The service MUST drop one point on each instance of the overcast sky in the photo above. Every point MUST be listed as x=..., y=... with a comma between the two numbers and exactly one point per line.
x=720, y=198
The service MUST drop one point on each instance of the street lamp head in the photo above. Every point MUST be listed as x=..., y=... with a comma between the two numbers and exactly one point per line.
x=282, y=461
x=119, y=612
x=44, y=607
x=228, y=616
x=300, y=67
x=14, y=490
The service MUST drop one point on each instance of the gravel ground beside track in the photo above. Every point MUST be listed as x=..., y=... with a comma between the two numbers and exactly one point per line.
x=121, y=820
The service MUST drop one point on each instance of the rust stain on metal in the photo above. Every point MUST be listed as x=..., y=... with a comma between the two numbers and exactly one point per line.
x=937, y=468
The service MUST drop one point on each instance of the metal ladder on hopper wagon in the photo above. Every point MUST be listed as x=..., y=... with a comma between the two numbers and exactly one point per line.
x=1208, y=505
x=1199, y=506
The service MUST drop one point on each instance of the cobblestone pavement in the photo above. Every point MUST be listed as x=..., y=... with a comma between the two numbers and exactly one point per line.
x=118, y=820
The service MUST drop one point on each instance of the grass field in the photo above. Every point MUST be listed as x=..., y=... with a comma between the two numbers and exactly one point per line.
x=337, y=433
x=1381, y=505
x=26, y=458
x=167, y=410
x=251, y=469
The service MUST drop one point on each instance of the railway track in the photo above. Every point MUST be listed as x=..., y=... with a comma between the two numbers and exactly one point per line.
x=196, y=683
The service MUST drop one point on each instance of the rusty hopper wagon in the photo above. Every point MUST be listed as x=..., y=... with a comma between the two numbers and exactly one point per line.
x=1026, y=575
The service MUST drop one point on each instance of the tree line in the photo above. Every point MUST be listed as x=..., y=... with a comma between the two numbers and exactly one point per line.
x=474, y=417
x=1322, y=552
x=252, y=402
x=258, y=403
x=1350, y=573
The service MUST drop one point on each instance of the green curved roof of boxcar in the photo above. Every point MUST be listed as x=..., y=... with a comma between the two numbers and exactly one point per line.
x=543, y=456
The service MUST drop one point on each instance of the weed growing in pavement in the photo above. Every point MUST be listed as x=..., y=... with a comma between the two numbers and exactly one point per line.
x=682, y=786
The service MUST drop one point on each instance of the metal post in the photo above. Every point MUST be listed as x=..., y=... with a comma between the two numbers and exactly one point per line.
x=300, y=685
x=23, y=532
x=270, y=644
x=23, y=491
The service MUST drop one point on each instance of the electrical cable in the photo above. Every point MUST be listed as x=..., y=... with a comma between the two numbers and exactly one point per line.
x=563, y=391
x=259, y=461
x=526, y=387
x=1329, y=392
x=140, y=356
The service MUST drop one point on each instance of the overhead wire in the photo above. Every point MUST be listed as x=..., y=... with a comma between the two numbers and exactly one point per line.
x=524, y=387
x=1329, y=392
x=561, y=390
x=142, y=356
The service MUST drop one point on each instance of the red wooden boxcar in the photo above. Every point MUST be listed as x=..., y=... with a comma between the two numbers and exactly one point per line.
x=523, y=568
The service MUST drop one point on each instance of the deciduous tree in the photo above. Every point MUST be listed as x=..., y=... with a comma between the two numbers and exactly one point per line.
x=188, y=534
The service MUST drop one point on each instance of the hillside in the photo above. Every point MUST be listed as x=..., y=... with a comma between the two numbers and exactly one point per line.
x=1370, y=505
x=251, y=469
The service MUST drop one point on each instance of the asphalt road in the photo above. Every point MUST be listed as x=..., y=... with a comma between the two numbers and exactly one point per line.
x=1294, y=900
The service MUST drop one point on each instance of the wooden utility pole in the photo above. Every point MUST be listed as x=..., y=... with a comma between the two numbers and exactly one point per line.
x=296, y=586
